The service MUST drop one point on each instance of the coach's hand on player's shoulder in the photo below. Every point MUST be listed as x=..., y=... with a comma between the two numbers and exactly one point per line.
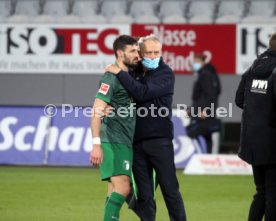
x=96, y=155
x=112, y=68
x=108, y=110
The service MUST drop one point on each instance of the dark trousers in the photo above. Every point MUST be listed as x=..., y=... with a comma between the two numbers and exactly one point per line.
x=204, y=128
x=264, y=201
x=157, y=154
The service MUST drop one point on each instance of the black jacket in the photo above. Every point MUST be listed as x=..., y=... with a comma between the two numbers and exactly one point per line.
x=154, y=87
x=256, y=96
x=209, y=67
x=206, y=88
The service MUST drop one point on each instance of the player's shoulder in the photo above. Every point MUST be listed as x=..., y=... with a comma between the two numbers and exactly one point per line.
x=109, y=78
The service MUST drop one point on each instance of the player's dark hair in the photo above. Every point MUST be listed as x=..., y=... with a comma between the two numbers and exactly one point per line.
x=272, y=42
x=122, y=41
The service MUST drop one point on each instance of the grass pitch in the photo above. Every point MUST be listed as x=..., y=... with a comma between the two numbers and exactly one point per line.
x=77, y=194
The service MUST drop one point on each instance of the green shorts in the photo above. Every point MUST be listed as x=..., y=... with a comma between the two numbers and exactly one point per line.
x=117, y=160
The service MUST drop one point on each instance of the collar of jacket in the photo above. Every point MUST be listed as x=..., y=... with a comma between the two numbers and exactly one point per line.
x=271, y=52
x=204, y=69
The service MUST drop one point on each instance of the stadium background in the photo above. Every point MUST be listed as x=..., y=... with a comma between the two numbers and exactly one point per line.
x=247, y=27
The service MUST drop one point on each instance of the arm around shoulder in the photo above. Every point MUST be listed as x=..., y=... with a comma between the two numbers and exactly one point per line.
x=155, y=87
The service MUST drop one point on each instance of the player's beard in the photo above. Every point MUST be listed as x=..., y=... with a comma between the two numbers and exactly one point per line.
x=127, y=62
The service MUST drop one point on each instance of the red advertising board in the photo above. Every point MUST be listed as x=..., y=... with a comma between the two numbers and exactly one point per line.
x=86, y=49
x=58, y=48
x=181, y=42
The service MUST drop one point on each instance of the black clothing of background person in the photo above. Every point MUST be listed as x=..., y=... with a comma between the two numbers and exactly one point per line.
x=206, y=91
x=211, y=68
x=206, y=88
x=256, y=95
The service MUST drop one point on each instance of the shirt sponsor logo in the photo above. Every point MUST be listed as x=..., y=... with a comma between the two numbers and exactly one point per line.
x=259, y=86
x=104, y=88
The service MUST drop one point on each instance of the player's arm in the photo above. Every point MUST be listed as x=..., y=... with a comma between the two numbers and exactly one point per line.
x=96, y=155
x=144, y=91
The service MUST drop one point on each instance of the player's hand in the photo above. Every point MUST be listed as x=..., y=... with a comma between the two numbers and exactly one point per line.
x=188, y=112
x=108, y=110
x=112, y=68
x=96, y=155
x=202, y=115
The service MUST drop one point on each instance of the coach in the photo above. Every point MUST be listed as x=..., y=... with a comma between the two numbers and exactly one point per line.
x=153, y=88
x=256, y=95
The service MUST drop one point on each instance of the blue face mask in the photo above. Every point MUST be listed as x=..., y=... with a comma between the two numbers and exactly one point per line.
x=151, y=63
x=196, y=67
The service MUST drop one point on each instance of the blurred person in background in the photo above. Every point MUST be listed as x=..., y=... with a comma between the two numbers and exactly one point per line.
x=256, y=96
x=205, y=96
x=113, y=135
x=152, y=85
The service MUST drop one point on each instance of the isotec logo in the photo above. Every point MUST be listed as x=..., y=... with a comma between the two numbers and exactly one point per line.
x=46, y=40
x=35, y=137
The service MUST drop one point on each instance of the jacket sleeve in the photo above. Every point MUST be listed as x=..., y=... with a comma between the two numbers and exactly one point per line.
x=152, y=89
x=204, y=92
x=239, y=99
x=209, y=94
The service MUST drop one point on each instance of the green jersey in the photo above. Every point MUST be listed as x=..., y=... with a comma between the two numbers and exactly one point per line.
x=119, y=126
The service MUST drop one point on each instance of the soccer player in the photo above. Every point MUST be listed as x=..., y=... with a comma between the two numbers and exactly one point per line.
x=113, y=135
